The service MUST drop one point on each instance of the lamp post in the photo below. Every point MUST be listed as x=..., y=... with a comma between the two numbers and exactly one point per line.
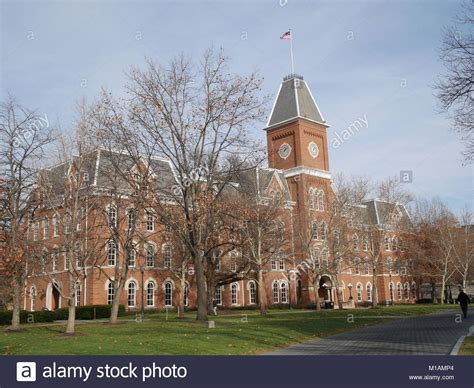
x=142, y=271
x=390, y=287
x=349, y=286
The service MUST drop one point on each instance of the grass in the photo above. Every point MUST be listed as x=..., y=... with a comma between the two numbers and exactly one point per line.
x=236, y=332
x=467, y=347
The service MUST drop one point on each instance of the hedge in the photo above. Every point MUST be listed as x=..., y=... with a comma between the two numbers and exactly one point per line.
x=82, y=312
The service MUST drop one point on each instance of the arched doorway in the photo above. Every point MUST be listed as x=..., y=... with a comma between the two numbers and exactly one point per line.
x=325, y=288
x=56, y=296
x=53, y=296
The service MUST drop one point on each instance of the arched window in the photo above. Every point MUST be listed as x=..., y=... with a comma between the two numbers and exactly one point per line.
x=368, y=289
x=399, y=291
x=413, y=291
x=132, y=218
x=312, y=198
x=55, y=226
x=273, y=262
x=111, y=253
x=394, y=244
x=186, y=294
x=365, y=244
x=281, y=260
x=315, y=257
x=167, y=255
x=325, y=258
x=314, y=230
x=150, y=221
x=150, y=255
x=234, y=294
x=321, y=200
x=233, y=261
x=359, y=292
x=110, y=293
x=78, y=294
x=33, y=298
x=112, y=216
x=389, y=264
x=276, y=296
x=150, y=294
x=391, y=291
x=55, y=259
x=131, y=294
x=387, y=243
x=168, y=294
x=252, y=293
x=284, y=293
x=357, y=265
x=131, y=257
x=407, y=292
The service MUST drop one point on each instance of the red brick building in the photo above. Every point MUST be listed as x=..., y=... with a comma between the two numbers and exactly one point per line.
x=298, y=172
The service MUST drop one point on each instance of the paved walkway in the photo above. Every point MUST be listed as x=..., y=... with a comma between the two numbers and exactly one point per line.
x=433, y=334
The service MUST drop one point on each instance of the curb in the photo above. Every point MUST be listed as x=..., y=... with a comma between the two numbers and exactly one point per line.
x=457, y=346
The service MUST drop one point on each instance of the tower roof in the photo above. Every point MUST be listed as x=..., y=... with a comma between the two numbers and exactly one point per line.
x=294, y=100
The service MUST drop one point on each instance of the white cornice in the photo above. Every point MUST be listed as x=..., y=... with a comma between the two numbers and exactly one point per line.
x=291, y=172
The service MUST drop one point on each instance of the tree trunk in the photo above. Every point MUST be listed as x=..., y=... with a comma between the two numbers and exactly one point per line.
x=316, y=294
x=181, y=297
x=262, y=295
x=115, y=303
x=16, y=306
x=434, y=299
x=71, y=318
x=201, y=290
x=443, y=288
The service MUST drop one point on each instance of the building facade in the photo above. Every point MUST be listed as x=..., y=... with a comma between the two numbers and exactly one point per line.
x=298, y=172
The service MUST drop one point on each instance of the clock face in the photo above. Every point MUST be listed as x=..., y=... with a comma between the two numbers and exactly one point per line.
x=313, y=149
x=284, y=151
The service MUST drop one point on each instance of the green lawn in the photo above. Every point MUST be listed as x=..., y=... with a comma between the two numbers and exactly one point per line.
x=242, y=332
x=467, y=348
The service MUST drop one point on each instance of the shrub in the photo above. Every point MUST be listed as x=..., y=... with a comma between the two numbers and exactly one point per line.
x=87, y=312
x=27, y=317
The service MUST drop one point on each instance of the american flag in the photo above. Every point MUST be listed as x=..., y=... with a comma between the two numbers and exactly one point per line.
x=286, y=35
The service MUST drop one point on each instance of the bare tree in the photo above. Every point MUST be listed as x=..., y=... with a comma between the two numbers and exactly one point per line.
x=464, y=247
x=455, y=88
x=24, y=137
x=195, y=117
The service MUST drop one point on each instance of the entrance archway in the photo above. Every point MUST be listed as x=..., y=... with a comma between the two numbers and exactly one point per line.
x=325, y=288
x=53, y=296
x=56, y=296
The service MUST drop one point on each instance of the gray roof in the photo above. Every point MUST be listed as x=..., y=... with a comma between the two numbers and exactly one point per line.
x=294, y=100
x=380, y=212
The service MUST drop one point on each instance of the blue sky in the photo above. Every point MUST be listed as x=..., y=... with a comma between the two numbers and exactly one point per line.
x=372, y=58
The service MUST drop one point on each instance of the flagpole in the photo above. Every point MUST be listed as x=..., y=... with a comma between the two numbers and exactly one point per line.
x=291, y=52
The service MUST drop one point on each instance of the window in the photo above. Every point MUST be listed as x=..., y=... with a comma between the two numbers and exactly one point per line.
x=55, y=226
x=150, y=221
x=365, y=244
x=322, y=229
x=314, y=230
x=33, y=298
x=413, y=291
x=252, y=293
x=366, y=266
x=355, y=242
x=66, y=261
x=131, y=218
x=54, y=260
x=273, y=263
x=391, y=291
x=368, y=288
x=394, y=244
x=150, y=255
x=168, y=294
x=387, y=243
x=35, y=231
x=131, y=294
x=233, y=292
x=110, y=293
x=67, y=224
x=407, y=292
x=312, y=198
x=150, y=294
x=77, y=254
x=131, y=257
x=357, y=265
x=359, y=292
x=79, y=219
x=283, y=293
x=315, y=256
x=389, y=264
x=233, y=262
x=321, y=200
x=167, y=255
x=111, y=253
x=78, y=294
x=276, y=296
x=186, y=294
x=324, y=257
x=399, y=291
x=282, y=261
x=45, y=229
x=112, y=215
x=218, y=295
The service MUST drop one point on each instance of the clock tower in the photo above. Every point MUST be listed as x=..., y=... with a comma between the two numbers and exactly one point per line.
x=297, y=145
